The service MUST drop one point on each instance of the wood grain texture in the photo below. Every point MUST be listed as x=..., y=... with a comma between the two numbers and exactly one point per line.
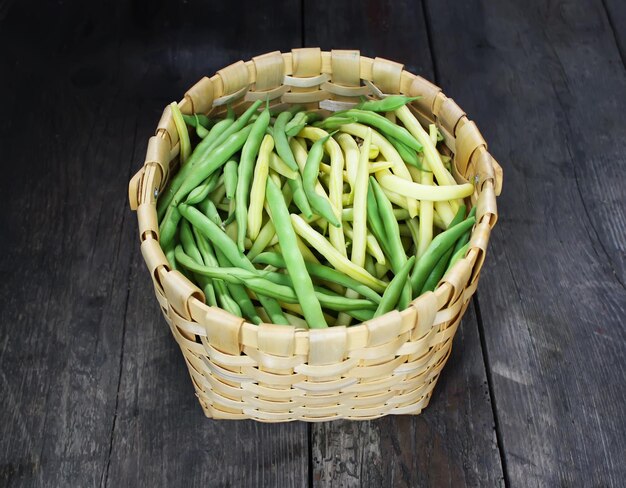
x=439, y=446
x=452, y=443
x=616, y=15
x=378, y=28
x=94, y=389
x=545, y=84
x=161, y=436
x=66, y=145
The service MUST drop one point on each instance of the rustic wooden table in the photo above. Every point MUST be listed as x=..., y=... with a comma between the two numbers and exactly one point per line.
x=93, y=390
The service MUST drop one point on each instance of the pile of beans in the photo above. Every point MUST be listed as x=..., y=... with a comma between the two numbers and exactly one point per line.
x=313, y=218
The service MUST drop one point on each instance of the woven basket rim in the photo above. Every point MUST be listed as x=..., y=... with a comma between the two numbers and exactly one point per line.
x=151, y=178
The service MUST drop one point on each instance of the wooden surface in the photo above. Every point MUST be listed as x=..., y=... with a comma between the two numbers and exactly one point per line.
x=94, y=391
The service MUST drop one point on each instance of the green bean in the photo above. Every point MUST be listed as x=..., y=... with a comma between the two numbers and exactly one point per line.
x=170, y=256
x=361, y=315
x=201, y=151
x=215, y=234
x=293, y=259
x=296, y=124
x=397, y=256
x=183, y=135
x=373, y=218
x=262, y=286
x=281, y=142
x=214, y=161
x=465, y=237
x=230, y=178
x=387, y=104
x=167, y=229
x=200, y=192
x=189, y=246
x=395, y=289
x=310, y=177
x=334, y=122
x=299, y=196
x=246, y=171
x=201, y=131
x=323, y=273
x=228, y=247
x=436, y=249
x=327, y=297
x=385, y=126
x=457, y=256
x=198, y=119
x=408, y=155
x=231, y=213
x=223, y=295
x=442, y=264
x=238, y=292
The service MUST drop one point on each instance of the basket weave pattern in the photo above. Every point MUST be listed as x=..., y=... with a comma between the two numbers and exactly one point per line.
x=388, y=365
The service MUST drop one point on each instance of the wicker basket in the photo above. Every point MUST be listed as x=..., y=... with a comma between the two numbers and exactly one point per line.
x=388, y=365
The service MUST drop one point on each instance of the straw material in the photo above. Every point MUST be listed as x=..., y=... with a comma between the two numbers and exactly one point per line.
x=271, y=373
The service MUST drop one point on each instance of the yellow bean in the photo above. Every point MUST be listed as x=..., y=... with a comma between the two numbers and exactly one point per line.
x=257, y=193
x=334, y=257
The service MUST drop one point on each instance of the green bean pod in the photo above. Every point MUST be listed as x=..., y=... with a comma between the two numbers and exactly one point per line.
x=280, y=140
x=465, y=237
x=321, y=272
x=394, y=289
x=214, y=161
x=310, y=176
x=228, y=247
x=189, y=246
x=408, y=155
x=231, y=169
x=226, y=301
x=296, y=124
x=246, y=170
x=396, y=255
x=299, y=196
x=387, y=127
x=201, y=151
x=457, y=256
x=200, y=192
x=387, y=104
x=435, y=250
x=168, y=227
x=374, y=220
x=442, y=264
x=198, y=119
x=303, y=284
x=264, y=287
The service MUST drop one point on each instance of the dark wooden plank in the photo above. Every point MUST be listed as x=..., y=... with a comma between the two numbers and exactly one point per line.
x=453, y=441
x=91, y=394
x=546, y=85
x=66, y=138
x=616, y=13
x=161, y=436
x=388, y=29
